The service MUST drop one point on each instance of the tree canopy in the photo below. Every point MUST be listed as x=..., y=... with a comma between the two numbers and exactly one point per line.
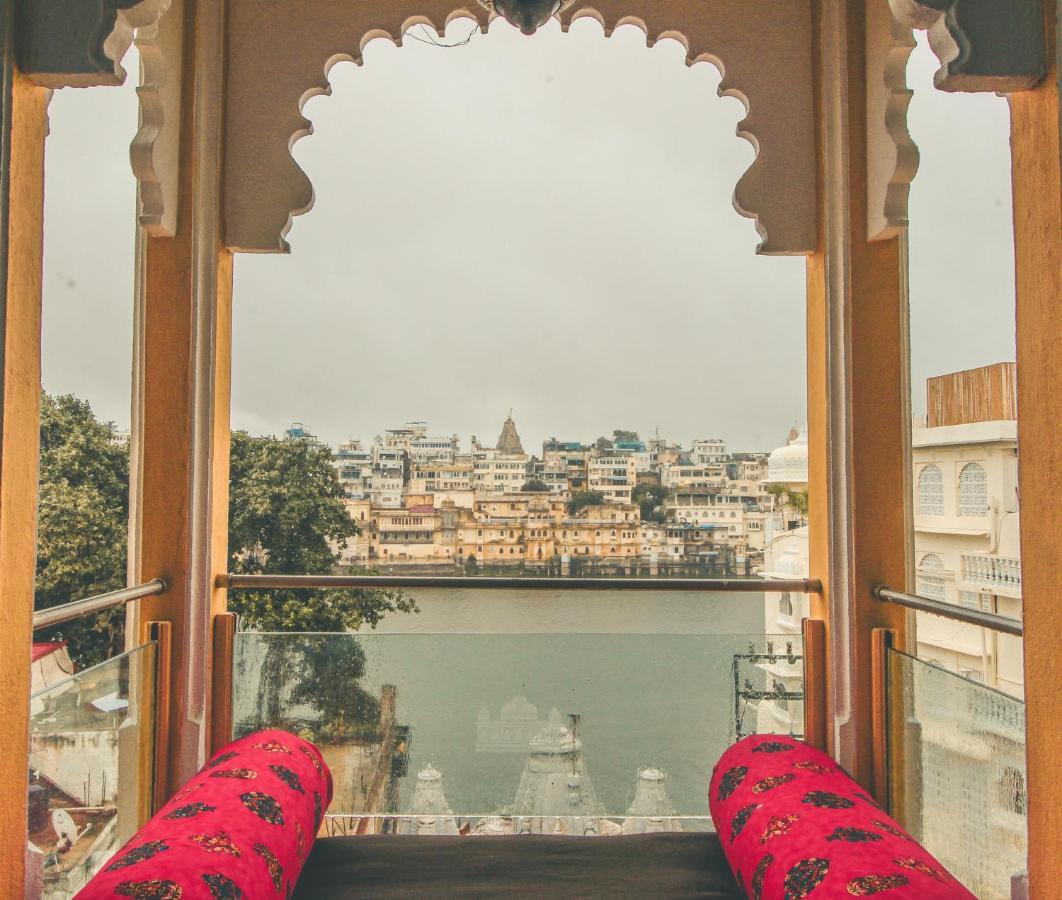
x=793, y=499
x=582, y=499
x=82, y=523
x=650, y=499
x=287, y=516
x=535, y=486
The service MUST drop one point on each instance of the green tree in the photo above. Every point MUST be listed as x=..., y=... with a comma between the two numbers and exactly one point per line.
x=82, y=523
x=650, y=499
x=582, y=499
x=287, y=516
x=329, y=672
x=619, y=434
x=535, y=486
x=602, y=444
x=793, y=499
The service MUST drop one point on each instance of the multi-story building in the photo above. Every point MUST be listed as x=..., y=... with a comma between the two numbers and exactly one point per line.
x=572, y=457
x=611, y=531
x=966, y=521
x=553, y=475
x=425, y=448
x=612, y=474
x=430, y=477
x=299, y=432
x=387, y=488
x=708, y=451
x=687, y=475
x=354, y=466
x=404, y=534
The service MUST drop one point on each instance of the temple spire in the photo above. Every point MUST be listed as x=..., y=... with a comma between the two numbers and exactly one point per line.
x=509, y=440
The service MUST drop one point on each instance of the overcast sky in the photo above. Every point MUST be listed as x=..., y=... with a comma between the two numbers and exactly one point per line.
x=543, y=224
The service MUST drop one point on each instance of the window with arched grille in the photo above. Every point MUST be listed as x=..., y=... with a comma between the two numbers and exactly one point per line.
x=973, y=491
x=930, y=581
x=931, y=491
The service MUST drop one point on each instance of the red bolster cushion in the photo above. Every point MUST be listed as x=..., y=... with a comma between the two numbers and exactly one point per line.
x=793, y=824
x=241, y=828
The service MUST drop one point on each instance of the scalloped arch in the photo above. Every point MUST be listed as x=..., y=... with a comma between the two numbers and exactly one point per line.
x=764, y=52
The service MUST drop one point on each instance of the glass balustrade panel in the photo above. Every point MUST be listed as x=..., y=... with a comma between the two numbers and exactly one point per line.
x=91, y=743
x=957, y=768
x=576, y=733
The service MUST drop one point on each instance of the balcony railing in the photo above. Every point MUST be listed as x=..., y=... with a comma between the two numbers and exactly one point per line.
x=583, y=734
x=957, y=771
x=995, y=574
x=527, y=704
x=955, y=758
x=91, y=768
x=92, y=751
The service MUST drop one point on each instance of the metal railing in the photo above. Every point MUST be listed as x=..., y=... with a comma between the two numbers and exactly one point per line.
x=475, y=582
x=56, y=615
x=951, y=611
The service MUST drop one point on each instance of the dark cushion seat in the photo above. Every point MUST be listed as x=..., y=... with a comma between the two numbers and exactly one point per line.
x=673, y=865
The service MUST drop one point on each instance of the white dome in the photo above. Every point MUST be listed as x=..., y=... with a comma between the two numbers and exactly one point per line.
x=789, y=464
x=519, y=709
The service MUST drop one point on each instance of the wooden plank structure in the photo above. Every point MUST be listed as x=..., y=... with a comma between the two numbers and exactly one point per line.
x=824, y=85
x=987, y=394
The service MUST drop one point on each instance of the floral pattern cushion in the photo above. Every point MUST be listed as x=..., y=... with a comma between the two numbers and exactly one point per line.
x=241, y=828
x=793, y=824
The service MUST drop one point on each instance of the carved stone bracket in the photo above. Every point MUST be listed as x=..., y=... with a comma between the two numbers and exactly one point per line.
x=155, y=151
x=79, y=43
x=892, y=157
x=285, y=51
x=982, y=45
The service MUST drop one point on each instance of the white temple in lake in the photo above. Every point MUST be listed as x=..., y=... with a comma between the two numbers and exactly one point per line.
x=651, y=809
x=430, y=812
x=517, y=724
x=555, y=794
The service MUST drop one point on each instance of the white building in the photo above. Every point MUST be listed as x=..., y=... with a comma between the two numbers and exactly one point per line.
x=354, y=465
x=787, y=468
x=709, y=451
x=966, y=545
x=613, y=475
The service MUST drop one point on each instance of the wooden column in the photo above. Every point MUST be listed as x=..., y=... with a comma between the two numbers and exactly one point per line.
x=1036, y=149
x=21, y=241
x=23, y=118
x=858, y=395
x=181, y=398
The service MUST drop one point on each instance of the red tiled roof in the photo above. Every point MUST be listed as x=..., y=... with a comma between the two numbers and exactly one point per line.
x=42, y=650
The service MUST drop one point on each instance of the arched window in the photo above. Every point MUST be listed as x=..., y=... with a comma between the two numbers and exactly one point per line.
x=930, y=581
x=973, y=491
x=931, y=491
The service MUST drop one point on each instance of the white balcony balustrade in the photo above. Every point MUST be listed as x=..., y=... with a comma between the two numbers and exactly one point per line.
x=997, y=574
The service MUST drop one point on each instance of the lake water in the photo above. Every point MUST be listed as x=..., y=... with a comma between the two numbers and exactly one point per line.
x=652, y=678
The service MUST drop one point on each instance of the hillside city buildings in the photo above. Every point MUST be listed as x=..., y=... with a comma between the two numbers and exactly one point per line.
x=421, y=500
